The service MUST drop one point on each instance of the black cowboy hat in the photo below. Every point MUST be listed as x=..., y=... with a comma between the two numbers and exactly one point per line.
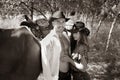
x=58, y=14
x=80, y=27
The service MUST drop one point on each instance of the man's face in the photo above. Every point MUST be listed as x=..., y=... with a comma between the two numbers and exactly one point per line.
x=59, y=25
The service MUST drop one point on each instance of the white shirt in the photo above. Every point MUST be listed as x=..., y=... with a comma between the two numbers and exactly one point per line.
x=51, y=49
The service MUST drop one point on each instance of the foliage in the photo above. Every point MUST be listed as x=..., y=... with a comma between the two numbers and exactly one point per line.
x=105, y=65
x=89, y=7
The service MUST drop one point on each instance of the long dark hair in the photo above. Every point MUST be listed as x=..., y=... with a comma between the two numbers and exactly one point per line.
x=72, y=43
x=84, y=42
x=84, y=39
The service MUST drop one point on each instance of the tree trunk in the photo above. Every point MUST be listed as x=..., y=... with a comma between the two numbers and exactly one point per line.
x=110, y=32
x=98, y=27
x=92, y=26
x=31, y=10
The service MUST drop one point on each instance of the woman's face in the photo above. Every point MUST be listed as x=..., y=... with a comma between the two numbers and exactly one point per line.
x=59, y=25
x=76, y=36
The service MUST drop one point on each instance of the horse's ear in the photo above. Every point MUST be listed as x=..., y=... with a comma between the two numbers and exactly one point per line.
x=24, y=23
x=27, y=18
x=28, y=24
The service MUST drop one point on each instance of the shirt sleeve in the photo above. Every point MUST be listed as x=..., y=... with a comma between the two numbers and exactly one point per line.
x=55, y=59
x=47, y=52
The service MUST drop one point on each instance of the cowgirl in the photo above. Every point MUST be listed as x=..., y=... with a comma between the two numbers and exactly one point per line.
x=79, y=51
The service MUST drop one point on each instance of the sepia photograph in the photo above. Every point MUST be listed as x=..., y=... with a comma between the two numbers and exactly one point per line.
x=59, y=39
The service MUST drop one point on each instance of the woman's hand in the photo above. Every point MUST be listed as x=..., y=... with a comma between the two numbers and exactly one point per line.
x=74, y=55
x=80, y=66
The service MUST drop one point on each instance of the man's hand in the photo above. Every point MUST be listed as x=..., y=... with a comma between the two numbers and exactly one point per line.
x=65, y=58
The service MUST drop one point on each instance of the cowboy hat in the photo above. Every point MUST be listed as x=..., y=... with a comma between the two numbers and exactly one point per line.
x=80, y=27
x=58, y=14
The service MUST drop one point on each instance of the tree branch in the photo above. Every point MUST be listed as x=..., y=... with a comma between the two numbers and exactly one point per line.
x=33, y=8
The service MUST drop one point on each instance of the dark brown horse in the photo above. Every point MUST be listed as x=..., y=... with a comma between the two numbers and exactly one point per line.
x=20, y=55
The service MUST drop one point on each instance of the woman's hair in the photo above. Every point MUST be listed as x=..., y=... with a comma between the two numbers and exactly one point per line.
x=83, y=40
x=72, y=43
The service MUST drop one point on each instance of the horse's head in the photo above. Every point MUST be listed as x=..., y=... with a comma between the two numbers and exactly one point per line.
x=39, y=27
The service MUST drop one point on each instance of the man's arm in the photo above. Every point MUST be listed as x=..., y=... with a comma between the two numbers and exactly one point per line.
x=80, y=66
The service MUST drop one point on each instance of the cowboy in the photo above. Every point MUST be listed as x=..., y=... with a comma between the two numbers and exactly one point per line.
x=52, y=47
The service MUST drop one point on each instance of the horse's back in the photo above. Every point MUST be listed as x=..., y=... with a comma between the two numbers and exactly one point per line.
x=20, y=55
